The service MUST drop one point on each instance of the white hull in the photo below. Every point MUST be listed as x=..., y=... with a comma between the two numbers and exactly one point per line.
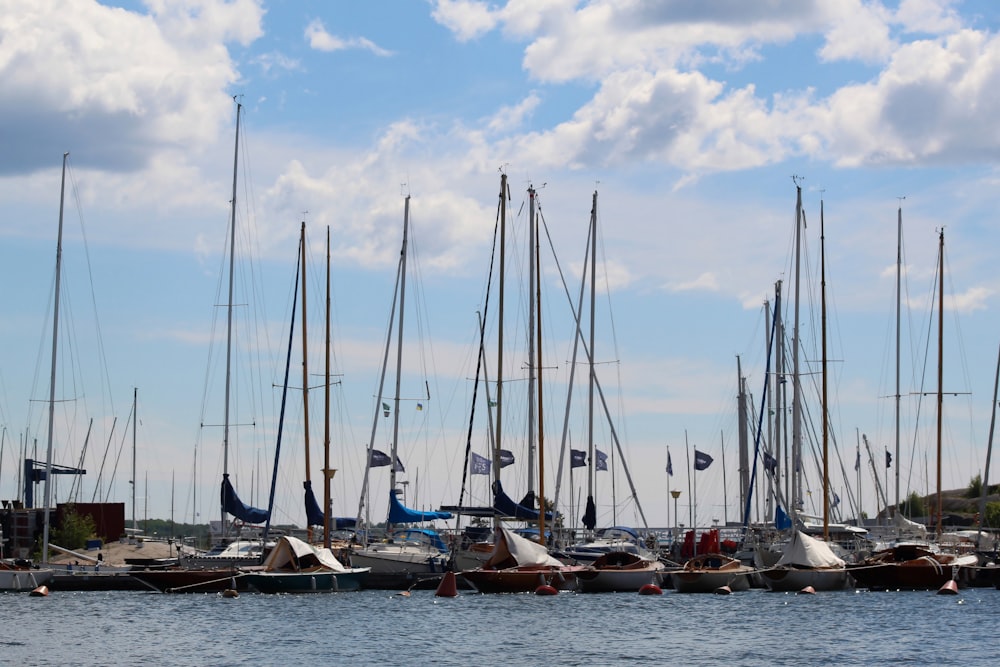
x=610, y=581
x=390, y=558
x=784, y=579
x=707, y=581
x=23, y=580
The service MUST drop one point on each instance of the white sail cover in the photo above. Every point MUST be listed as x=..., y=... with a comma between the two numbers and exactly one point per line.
x=521, y=549
x=805, y=551
x=291, y=553
x=907, y=527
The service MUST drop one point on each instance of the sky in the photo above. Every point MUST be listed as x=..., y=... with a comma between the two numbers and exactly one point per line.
x=692, y=122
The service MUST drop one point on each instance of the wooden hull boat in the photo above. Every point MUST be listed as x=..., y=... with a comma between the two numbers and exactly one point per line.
x=914, y=568
x=708, y=572
x=619, y=571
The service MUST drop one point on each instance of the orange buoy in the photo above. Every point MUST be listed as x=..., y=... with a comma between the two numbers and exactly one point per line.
x=448, y=588
x=808, y=590
x=723, y=590
x=650, y=589
x=948, y=588
x=230, y=593
x=545, y=589
x=39, y=592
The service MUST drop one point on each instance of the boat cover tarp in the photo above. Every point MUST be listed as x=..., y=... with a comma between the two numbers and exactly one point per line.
x=398, y=513
x=907, y=527
x=590, y=514
x=805, y=551
x=506, y=506
x=232, y=504
x=512, y=550
x=314, y=515
x=291, y=554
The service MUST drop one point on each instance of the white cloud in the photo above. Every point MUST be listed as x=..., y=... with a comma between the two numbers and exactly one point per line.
x=466, y=18
x=321, y=40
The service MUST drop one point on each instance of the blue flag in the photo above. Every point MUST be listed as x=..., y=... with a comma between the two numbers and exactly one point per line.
x=506, y=458
x=888, y=459
x=670, y=465
x=857, y=461
x=379, y=459
x=479, y=465
x=701, y=460
x=836, y=500
x=577, y=458
x=602, y=460
x=770, y=463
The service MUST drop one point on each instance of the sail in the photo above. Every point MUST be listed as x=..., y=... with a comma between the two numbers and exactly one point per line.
x=314, y=515
x=291, y=554
x=507, y=507
x=512, y=550
x=806, y=551
x=232, y=504
x=590, y=515
x=398, y=513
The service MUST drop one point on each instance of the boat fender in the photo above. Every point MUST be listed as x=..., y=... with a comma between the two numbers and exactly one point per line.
x=650, y=589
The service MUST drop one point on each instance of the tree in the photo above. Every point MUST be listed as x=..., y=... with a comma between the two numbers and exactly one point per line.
x=75, y=529
x=975, y=487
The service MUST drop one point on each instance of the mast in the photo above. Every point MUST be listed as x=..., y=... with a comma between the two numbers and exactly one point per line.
x=796, y=384
x=541, y=436
x=989, y=453
x=940, y=369
x=229, y=313
x=135, y=419
x=532, y=370
x=499, y=395
x=590, y=356
x=899, y=270
x=327, y=472
x=825, y=410
x=305, y=373
x=399, y=349
x=52, y=375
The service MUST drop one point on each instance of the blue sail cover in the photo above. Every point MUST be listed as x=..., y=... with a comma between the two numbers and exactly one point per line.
x=314, y=515
x=232, y=504
x=781, y=519
x=398, y=513
x=507, y=507
x=590, y=515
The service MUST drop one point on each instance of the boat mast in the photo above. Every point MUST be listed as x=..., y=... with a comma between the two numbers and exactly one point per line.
x=899, y=271
x=327, y=472
x=940, y=392
x=135, y=420
x=538, y=329
x=989, y=453
x=52, y=375
x=499, y=394
x=305, y=373
x=229, y=313
x=796, y=388
x=532, y=371
x=399, y=349
x=825, y=410
x=590, y=358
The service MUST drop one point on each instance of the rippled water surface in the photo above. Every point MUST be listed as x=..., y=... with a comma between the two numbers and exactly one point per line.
x=379, y=627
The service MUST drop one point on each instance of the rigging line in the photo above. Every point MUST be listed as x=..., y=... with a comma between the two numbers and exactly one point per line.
x=105, y=376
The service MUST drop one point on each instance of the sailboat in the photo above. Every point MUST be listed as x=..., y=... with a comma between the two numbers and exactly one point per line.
x=516, y=563
x=212, y=570
x=407, y=554
x=921, y=566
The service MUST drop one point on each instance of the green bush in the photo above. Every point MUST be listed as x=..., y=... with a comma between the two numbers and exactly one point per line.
x=74, y=531
x=975, y=487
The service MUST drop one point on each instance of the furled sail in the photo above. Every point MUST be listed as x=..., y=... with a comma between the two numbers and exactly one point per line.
x=232, y=504
x=398, y=513
x=314, y=515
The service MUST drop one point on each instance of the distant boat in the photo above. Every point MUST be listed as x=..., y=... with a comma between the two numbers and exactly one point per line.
x=294, y=566
x=14, y=577
x=914, y=567
x=620, y=571
x=707, y=572
x=519, y=565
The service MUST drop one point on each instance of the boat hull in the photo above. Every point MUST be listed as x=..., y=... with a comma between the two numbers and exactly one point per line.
x=24, y=580
x=525, y=579
x=618, y=581
x=305, y=582
x=192, y=581
x=791, y=579
x=707, y=581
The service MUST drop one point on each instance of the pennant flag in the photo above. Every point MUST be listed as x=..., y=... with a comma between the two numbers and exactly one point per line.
x=701, y=460
x=602, y=460
x=479, y=465
x=385, y=411
x=399, y=466
x=577, y=458
x=888, y=459
x=379, y=459
x=506, y=458
x=836, y=500
x=420, y=406
x=770, y=464
x=670, y=465
x=857, y=461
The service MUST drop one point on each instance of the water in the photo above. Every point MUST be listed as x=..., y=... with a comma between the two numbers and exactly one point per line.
x=379, y=627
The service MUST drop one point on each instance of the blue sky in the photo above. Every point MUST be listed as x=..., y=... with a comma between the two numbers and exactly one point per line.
x=689, y=119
